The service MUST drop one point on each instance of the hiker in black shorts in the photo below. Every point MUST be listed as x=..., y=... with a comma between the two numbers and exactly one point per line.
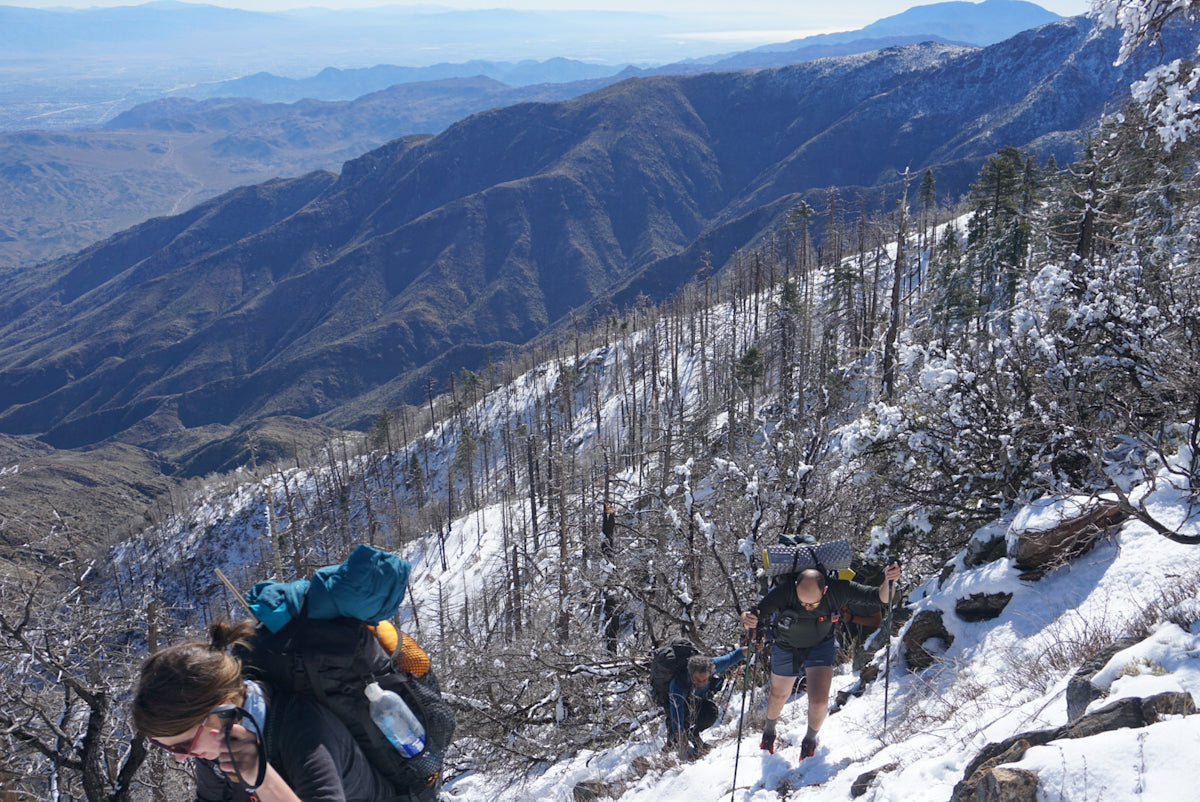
x=805, y=639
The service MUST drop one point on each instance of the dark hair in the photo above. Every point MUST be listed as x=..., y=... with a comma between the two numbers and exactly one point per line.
x=701, y=664
x=180, y=684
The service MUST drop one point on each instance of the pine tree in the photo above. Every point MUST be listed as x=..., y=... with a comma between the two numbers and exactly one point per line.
x=750, y=369
x=953, y=301
x=999, y=230
x=414, y=479
x=927, y=199
x=464, y=459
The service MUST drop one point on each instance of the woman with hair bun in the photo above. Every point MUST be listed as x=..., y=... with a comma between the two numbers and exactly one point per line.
x=192, y=701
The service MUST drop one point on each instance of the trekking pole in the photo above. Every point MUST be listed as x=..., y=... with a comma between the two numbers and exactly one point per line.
x=737, y=752
x=758, y=668
x=887, y=671
x=229, y=586
x=727, y=691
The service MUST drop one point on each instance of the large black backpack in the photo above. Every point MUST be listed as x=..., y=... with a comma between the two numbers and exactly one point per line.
x=333, y=660
x=665, y=662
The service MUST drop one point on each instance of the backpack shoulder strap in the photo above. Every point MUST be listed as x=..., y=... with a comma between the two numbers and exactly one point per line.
x=271, y=725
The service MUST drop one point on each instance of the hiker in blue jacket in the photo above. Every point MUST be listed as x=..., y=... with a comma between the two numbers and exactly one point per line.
x=690, y=710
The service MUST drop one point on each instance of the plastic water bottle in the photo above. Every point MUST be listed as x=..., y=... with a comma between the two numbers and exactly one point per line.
x=396, y=721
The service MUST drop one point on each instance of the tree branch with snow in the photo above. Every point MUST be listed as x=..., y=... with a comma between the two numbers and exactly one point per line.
x=1168, y=92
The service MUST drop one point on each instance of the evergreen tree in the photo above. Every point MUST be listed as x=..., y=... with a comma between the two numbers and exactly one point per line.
x=414, y=479
x=927, y=199
x=953, y=299
x=380, y=435
x=999, y=230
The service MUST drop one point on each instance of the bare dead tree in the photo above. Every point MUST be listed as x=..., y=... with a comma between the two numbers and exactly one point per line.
x=67, y=662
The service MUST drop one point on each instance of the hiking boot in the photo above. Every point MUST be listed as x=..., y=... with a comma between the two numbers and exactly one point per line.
x=701, y=747
x=768, y=736
x=808, y=747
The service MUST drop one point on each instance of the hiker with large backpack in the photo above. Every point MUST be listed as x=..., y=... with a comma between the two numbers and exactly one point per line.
x=178, y=707
x=305, y=704
x=683, y=682
x=805, y=611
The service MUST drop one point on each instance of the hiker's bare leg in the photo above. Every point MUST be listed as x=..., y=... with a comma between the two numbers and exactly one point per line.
x=781, y=689
x=818, y=679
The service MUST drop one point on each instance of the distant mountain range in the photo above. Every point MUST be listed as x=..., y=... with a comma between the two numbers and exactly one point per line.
x=61, y=191
x=331, y=297
x=69, y=68
x=955, y=22
x=338, y=84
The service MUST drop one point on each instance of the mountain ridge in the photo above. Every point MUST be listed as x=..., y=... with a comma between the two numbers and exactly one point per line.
x=489, y=233
x=958, y=21
x=163, y=156
x=169, y=153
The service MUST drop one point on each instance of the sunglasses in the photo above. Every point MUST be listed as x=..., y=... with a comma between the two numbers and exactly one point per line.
x=179, y=748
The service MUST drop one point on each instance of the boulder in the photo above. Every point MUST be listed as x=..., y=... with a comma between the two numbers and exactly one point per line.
x=927, y=625
x=1080, y=690
x=982, y=606
x=591, y=791
x=1070, y=538
x=864, y=781
x=1130, y=712
x=1007, y=785
x=980, y=778
x=981, y=551
x=1173, y=703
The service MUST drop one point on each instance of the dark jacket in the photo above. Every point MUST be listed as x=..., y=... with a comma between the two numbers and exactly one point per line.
x=810, y=627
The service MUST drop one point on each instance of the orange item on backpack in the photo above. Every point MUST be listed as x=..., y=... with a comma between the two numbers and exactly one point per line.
x=408, y=656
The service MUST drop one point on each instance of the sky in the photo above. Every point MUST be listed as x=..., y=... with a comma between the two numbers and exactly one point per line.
x=811, y=15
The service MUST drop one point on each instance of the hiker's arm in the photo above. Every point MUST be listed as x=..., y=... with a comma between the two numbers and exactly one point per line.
x=752, y=618
x=890, y=575
x=274, y=789
x=767, y=605
x=728, y=661
x=240, y=754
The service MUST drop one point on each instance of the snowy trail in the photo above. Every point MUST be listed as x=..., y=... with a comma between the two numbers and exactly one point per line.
x=989, y=684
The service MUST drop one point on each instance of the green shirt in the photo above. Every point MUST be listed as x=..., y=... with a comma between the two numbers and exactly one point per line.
x=810, y=627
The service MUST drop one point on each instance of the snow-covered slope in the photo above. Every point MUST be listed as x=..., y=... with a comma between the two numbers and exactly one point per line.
x=998, y=678
x=991, y=680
